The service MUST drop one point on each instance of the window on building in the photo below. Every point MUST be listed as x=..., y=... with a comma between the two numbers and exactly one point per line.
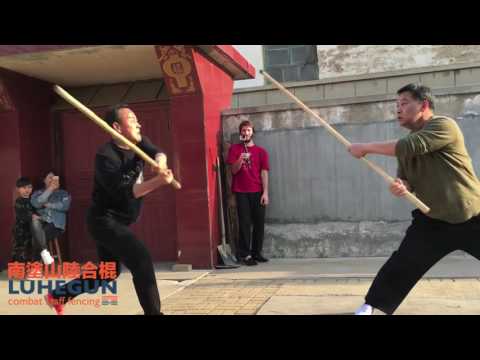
x=286, y=63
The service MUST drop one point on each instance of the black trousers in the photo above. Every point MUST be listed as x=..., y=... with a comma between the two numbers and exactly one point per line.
x=250, y=213
x=117, y=243
x=426, y=242
x=42, y=233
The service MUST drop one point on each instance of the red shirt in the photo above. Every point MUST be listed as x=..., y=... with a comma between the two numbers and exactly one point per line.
x=248, y=179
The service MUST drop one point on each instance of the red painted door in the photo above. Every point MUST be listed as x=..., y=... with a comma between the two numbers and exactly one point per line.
x=10, y=160
x=80, y=139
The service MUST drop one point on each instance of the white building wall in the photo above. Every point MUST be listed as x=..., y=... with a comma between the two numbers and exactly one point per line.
x=346, y=60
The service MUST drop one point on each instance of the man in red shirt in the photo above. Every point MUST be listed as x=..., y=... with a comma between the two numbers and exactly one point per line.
x=249, y=165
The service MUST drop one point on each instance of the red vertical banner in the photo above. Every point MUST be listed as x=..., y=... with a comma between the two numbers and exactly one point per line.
x=178, y=69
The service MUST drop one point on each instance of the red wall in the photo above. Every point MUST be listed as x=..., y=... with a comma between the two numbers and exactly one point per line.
x=10, y=170
x=32, y=100
x=25, y=143
x=217, y=88
x=196, y=121
x=193, y=230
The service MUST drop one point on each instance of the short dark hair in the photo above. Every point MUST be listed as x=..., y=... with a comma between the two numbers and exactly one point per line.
x=419, y=92
x=112, y=114
x=244, y=124
x=50, y=171
x=23, y=181
x=54, y=172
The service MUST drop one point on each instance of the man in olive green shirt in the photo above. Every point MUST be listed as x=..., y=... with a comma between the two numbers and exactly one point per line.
x=433, y=162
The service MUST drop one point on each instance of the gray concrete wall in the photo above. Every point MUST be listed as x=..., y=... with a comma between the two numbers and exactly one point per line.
x=324, y=203
x=331, y=239
x=314, y=178
x=356, y=88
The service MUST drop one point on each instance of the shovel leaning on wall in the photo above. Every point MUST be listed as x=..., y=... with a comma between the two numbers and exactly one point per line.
x=225, y=251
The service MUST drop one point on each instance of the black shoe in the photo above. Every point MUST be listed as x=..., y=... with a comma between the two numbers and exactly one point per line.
x=249, y=261
x=260, y=258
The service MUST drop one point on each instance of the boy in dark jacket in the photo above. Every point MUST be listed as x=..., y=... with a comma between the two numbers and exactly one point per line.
x=24, y=213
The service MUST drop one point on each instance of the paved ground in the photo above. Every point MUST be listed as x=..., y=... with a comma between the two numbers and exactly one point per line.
x=283, y=286
x=325, y=287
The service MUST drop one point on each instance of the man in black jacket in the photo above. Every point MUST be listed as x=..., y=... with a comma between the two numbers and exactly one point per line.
x=116, y=202
x=24, y=215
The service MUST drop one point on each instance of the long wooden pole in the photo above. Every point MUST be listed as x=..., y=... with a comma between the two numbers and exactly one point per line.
x=409, y=196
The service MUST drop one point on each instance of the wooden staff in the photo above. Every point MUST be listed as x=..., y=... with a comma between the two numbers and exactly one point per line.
x=103, y=125
x=410, y=197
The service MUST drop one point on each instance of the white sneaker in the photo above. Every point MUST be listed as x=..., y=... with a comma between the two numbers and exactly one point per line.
x=46, y=257
x=365, y=309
